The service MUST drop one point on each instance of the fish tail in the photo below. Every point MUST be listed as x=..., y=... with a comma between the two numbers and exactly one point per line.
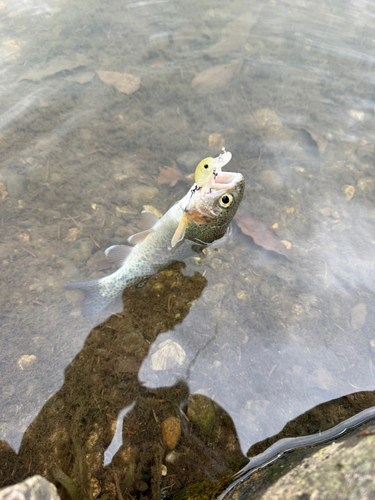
x=94, y=302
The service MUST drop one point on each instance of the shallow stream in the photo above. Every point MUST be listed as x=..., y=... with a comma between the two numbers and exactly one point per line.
x=257, y=338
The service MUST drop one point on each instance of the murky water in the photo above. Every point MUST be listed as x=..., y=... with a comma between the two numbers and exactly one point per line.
x=287, y=87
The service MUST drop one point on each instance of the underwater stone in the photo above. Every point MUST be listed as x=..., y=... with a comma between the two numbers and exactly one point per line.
x=271, y=180
x=34, y=488
x=366, y=185
x=171, y=431
x=26, y=361
x=201, y=412
x=142, y=194
x=17, y=185
x=169, y=355
x=340, y=470
x=82, y=249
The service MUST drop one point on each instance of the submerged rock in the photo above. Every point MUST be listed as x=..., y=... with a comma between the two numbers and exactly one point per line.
x=169, y=355
x=201, y=412
x=271, y=180
x=340, y=470
x=33, y=488
x=82, y=250
x=17, y=185
x=171, y=431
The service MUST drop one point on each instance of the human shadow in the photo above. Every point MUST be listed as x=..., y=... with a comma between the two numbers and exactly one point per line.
x=72, y=441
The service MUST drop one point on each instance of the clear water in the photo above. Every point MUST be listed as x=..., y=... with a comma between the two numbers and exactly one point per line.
x=267, y=339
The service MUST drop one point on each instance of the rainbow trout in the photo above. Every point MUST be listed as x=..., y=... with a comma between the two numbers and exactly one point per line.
x=206, y=212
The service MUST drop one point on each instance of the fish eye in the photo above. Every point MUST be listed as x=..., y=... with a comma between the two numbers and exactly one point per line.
x=226, y=200
x=205, y=166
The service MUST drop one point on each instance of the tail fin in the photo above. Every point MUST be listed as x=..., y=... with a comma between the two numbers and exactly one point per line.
x=93, y=301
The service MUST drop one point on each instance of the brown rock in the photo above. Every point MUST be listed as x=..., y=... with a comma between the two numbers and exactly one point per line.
x=171, y=431
x=123, y=82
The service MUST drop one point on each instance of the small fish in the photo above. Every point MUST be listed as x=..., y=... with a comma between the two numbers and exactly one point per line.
x=210, y=214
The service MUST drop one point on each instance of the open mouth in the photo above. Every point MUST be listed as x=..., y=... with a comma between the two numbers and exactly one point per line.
x=226, y=179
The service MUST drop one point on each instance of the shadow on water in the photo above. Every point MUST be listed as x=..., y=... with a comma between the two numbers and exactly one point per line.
x=102, y=433
x=77, y=424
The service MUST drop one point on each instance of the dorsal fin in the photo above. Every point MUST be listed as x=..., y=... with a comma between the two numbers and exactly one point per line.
x=118, y=254
x=137, y=238
x=148, y=220
x=180, y=232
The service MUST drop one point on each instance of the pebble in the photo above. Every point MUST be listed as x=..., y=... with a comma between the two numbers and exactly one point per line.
x=26, y=361
x=328, y=137
x=25, y=224
x=366, y=152
x=123, y=232
x=201, y=412
x=141, y=486
x=73, y=235
x=157, y=287
x=95, y=487
x=172, y=457
x=366, y=185
x=17, y=185
x=357, y=115
x=8, y=390
x=82, y=250
x=169, y=355
x=68, y=269
x=37, y=287
x=159, y=41
x=339, y=227
x=267, y=118
x=297, y=309
x=216, y=264
x=326, y=211
x=56, y=178
x=271, y=180
x=171, y=431
x=141, y=194
x=349, y=192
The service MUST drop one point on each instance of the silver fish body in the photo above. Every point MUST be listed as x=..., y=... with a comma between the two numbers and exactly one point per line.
x=153, y=253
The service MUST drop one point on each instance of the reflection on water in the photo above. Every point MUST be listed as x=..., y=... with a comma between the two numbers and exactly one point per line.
x=288, y=88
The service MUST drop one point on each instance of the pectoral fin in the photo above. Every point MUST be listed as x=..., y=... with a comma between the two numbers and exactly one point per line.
x=179, y=234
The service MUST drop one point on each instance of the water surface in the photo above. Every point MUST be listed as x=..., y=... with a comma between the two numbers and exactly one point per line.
x=290, y=94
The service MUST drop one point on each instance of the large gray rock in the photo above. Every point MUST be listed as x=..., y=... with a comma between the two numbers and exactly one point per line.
x=33, y=488
x=343, y=471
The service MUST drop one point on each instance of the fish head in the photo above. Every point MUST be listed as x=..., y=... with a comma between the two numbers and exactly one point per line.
x=213, y=206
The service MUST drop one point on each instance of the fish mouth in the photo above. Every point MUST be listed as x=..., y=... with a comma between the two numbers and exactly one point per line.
x=226, y=179
x=223, y=182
